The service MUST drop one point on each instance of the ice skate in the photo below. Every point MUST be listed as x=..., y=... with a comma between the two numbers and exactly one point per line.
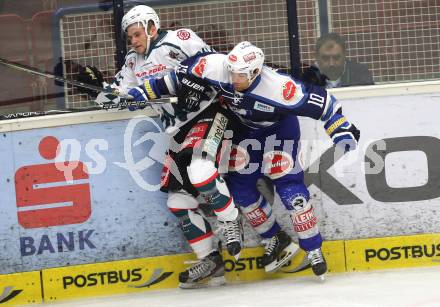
x=279, y=250
x=233, y=234
x=317, y=261
x=206, y=272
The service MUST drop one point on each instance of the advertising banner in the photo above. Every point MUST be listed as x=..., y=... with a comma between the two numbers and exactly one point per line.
x=82, y=194
x=394, y=252
x=390, y=185
x=137, y=275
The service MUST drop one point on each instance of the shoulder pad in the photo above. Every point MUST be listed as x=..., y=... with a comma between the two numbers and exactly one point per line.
x=279, y=88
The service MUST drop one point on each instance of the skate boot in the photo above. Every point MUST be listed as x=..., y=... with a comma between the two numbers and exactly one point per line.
x=233, y=234
x=206, y=272
x=279, y=250
x=317, y=261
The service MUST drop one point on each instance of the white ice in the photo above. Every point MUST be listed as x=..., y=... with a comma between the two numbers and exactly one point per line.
x=415, y=287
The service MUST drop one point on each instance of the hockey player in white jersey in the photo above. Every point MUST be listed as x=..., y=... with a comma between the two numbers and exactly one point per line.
x=154, y=53
x=267, y=104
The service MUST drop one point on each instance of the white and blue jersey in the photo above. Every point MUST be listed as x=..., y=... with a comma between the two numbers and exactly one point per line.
x=269, y=107
x=270, y=97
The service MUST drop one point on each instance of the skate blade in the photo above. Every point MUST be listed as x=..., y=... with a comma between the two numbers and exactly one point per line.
x=212, y=282
x=237, y=256
x=322, y=278
x=290, y=250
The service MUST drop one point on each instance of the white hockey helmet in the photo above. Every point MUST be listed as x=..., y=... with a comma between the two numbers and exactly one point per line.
x=140, y=14
x=245, y=58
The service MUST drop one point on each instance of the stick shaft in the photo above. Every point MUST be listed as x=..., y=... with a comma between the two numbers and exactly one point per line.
x=34, y=71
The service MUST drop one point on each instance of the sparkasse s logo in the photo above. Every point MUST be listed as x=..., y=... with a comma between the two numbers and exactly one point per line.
x=53, y=194
x=42, y=190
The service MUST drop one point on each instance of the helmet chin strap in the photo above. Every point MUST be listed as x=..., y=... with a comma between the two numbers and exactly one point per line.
x=148, y=43
x=252, y=78
x=149, y=38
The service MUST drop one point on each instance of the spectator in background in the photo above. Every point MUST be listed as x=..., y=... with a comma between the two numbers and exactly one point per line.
x=332, y=68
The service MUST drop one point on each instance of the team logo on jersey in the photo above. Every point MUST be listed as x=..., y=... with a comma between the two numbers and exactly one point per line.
x=183, y=35
x=277, y=163
x=131, y=62
x=195, y=136
x=173, y=55
x=238, y=159
x=249, y=57
x=232, y=58
x=199, y=68
x=289, y=90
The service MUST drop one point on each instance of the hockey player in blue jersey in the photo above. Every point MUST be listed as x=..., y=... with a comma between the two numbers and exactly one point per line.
x=267, y=104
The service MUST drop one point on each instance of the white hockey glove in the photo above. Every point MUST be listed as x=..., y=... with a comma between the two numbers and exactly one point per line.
x=108, y=100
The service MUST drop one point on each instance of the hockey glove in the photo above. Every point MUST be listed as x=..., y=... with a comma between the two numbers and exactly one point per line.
x=342, y=132
x=108, y=101
x=313, y=75
x=191, y=92
x=90, y=75
x=143, y=92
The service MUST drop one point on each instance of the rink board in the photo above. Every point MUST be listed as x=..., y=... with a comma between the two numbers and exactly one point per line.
x=20, y=289
x=130, y=276
x=156, y=273
x=115, y=277
x=393, y=252
x=120, y=214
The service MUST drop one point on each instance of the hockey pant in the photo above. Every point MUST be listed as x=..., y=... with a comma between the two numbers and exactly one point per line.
x=191, y=176
x=272, y=152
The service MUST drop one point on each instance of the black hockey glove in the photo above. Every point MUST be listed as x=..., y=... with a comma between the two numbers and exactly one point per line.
x=90, y=75
x=191, y=92
x=313, y=75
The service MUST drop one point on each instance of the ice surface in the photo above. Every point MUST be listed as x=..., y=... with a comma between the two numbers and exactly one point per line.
x=415, y=287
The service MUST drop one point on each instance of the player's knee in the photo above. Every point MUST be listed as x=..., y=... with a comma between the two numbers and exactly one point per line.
x=293, y=195
x=179, y=213
x=201, y=170
x=180, y=203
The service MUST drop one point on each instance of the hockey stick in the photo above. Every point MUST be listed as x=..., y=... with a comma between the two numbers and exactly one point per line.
x=34, y=71
x=120, y=105
x=138, y=104
x=41, y=113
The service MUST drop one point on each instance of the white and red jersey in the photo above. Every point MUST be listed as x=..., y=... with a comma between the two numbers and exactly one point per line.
x=164, y=55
